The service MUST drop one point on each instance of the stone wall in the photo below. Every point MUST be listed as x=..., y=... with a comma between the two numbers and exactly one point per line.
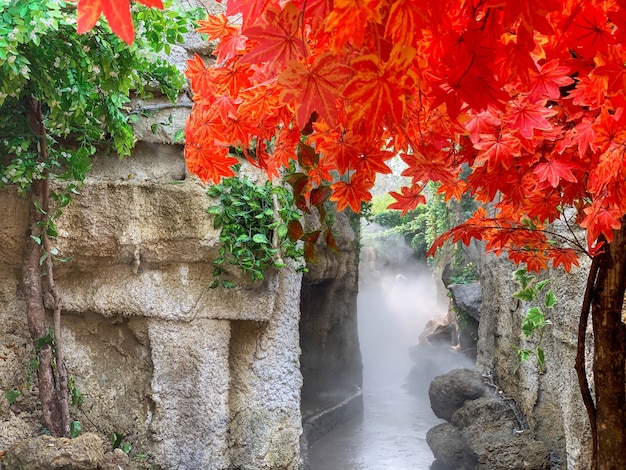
x=550, y=401
x=193, y=377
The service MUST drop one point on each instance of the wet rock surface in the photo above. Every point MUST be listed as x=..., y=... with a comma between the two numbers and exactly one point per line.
x=484, y=429
x=450, y=391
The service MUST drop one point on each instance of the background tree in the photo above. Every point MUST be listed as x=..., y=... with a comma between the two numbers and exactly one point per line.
x=518, y=102
x=64, y=97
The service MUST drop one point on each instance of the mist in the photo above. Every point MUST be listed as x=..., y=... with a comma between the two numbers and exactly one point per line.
x=398, y=296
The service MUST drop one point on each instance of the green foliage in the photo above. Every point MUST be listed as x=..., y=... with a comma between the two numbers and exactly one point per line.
x=75, y=429
x=76, y=396
x=12, y=395
x=254, y=222
x=419, y=227
x=535, y=321
x=83, y=82
x=464, y=274
x=118, y=442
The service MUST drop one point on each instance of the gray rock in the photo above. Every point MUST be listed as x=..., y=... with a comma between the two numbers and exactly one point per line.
x=448, y=446
x=518, y=452
x=449, y=392
x=48, y=453
x=467, y=298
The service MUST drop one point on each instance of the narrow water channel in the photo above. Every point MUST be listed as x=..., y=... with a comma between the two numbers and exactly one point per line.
x=393, y=310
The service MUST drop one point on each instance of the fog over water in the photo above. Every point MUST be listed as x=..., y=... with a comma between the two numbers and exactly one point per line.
x=397, y=297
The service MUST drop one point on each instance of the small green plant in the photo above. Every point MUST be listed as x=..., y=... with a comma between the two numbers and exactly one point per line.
x=75, y=429
x=118, y=442
x=535, y=321
x=255, y=222
x=12, y=395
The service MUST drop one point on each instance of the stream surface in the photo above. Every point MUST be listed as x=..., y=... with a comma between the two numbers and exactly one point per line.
x=392, y=312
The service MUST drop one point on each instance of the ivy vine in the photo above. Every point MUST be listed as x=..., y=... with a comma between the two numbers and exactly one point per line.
x=257, y=228
x=536, y=320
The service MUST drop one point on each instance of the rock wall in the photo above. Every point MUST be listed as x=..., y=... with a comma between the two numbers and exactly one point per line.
x=550, y=401
x=193, y=377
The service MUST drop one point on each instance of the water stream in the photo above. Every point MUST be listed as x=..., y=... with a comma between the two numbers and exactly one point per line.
x=393, y=310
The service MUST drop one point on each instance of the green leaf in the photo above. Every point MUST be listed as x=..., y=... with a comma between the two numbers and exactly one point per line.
x=534, y=319
x=179, y=136
x=523, y=278
x=228, y=284
x=37, y=239
x=523, y=354
x=550, y=299
x=75, y=429
x=214, y=284
x=12, y=395
x=260, y=238
x=541, y=357
x=528, y=294
x=541, y=284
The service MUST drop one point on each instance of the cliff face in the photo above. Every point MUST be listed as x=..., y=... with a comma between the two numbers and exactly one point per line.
x=551, y=401
x=193, y=377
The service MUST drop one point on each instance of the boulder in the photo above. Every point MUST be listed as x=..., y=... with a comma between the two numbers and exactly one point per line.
x=449, y=447
x=467, y=298
x=47, y=453
x=449, y=392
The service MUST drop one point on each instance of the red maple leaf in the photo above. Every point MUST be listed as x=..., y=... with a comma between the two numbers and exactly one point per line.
x=215, y=26
x=553, y=170
x=117, y=13
x=407, y=199
x=209, y=162
x=199, y=75
x=250, y=10
x=565, y=257
x=349, y=18
x=546, y=82
x=351, y=193
x=526, y=116
x=497, y=150
x=600, y=220
x=376, y=91
x=315, y=88
x=278, y=38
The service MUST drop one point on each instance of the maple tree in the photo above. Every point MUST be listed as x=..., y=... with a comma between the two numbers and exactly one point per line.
x=518, y=102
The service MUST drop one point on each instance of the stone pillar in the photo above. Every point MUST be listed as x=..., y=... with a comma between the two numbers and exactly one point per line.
x=190, y=392
x=266, y=381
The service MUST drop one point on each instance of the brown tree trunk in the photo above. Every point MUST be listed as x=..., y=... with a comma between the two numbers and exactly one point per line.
x=51, y=408
x=610, y=354
x=51, y=373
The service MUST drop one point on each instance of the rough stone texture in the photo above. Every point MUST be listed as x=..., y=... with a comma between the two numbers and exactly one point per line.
x=484, y=435
x=550, y=401
x=448, y=446
x=147, y=342
x=47, y=453
x=467, y=298
x=331, y=358
x=450, y=391
x=190, y=386
x=265, y=404
x=117, y=460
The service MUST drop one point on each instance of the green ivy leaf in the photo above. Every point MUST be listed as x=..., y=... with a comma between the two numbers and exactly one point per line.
x=260, y=238
x=528, y=294
x=12, y=395
x=550, y=299
x=75, y=429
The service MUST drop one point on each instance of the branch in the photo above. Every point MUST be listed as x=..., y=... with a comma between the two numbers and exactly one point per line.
x=581, y=370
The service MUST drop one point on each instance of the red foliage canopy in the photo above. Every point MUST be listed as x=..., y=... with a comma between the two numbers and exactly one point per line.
x=526, y=97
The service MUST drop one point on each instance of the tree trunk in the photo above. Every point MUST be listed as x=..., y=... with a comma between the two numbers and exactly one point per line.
x=610, y=354
x=51, y=409
x=51, y=373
